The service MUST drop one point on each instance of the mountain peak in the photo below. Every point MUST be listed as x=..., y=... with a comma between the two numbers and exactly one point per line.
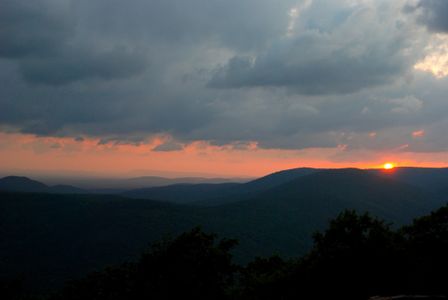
x=21, y=184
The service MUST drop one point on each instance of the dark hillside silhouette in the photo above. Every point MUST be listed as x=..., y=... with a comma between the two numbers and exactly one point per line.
x=434, y=179
x=357, y=257
x=26, y=185
x=21, y=184
x=99, y=230
x=219, y=194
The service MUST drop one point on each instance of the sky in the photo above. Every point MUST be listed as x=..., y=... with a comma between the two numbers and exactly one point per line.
x=221, y=87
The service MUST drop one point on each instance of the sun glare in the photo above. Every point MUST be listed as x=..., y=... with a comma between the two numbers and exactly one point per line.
x=388, y=166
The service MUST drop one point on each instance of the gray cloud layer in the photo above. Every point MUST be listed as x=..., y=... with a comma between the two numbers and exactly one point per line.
x=41, y=36
x=358, y=50
x=324, y=75
x=434, y=14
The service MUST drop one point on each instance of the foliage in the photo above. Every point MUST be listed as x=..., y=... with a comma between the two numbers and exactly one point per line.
x=192, y=266
x=427, y=252
x=356, y=257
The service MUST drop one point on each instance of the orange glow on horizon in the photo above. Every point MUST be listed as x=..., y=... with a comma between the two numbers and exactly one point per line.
x=20, y=153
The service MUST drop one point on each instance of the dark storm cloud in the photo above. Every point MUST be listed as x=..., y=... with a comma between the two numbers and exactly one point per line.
x=41, y=36
x=32, y=28
x=336, y=73
x=434, y=14
x=323, y=61
x=71, y=65
x=287, y=74
x=247, y=24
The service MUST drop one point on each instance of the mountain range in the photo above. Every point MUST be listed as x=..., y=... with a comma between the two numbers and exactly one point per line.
x=117, y=184
x=27, y=185
x=56, y=233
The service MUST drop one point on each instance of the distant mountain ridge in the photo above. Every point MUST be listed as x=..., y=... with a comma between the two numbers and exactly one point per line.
x=123, y=184
x=26, y=185
x=218, y=194
x=218, y=191
x=21, y=184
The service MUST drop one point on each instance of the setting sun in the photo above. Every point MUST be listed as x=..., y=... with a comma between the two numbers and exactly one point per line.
x=388, y=166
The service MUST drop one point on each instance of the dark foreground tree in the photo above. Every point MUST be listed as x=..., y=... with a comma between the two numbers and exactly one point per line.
x=192, y=266
x=264, y=278
x=427, y=253
x=352, y=259
x=11, y=289
x=357, y=257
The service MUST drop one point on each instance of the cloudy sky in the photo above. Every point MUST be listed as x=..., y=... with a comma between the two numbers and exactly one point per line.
x=222, y=87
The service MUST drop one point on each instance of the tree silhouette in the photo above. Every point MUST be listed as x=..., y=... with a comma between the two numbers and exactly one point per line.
x=192, y=266
x=356, y=257
x=264, y=278
x=427, y=253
